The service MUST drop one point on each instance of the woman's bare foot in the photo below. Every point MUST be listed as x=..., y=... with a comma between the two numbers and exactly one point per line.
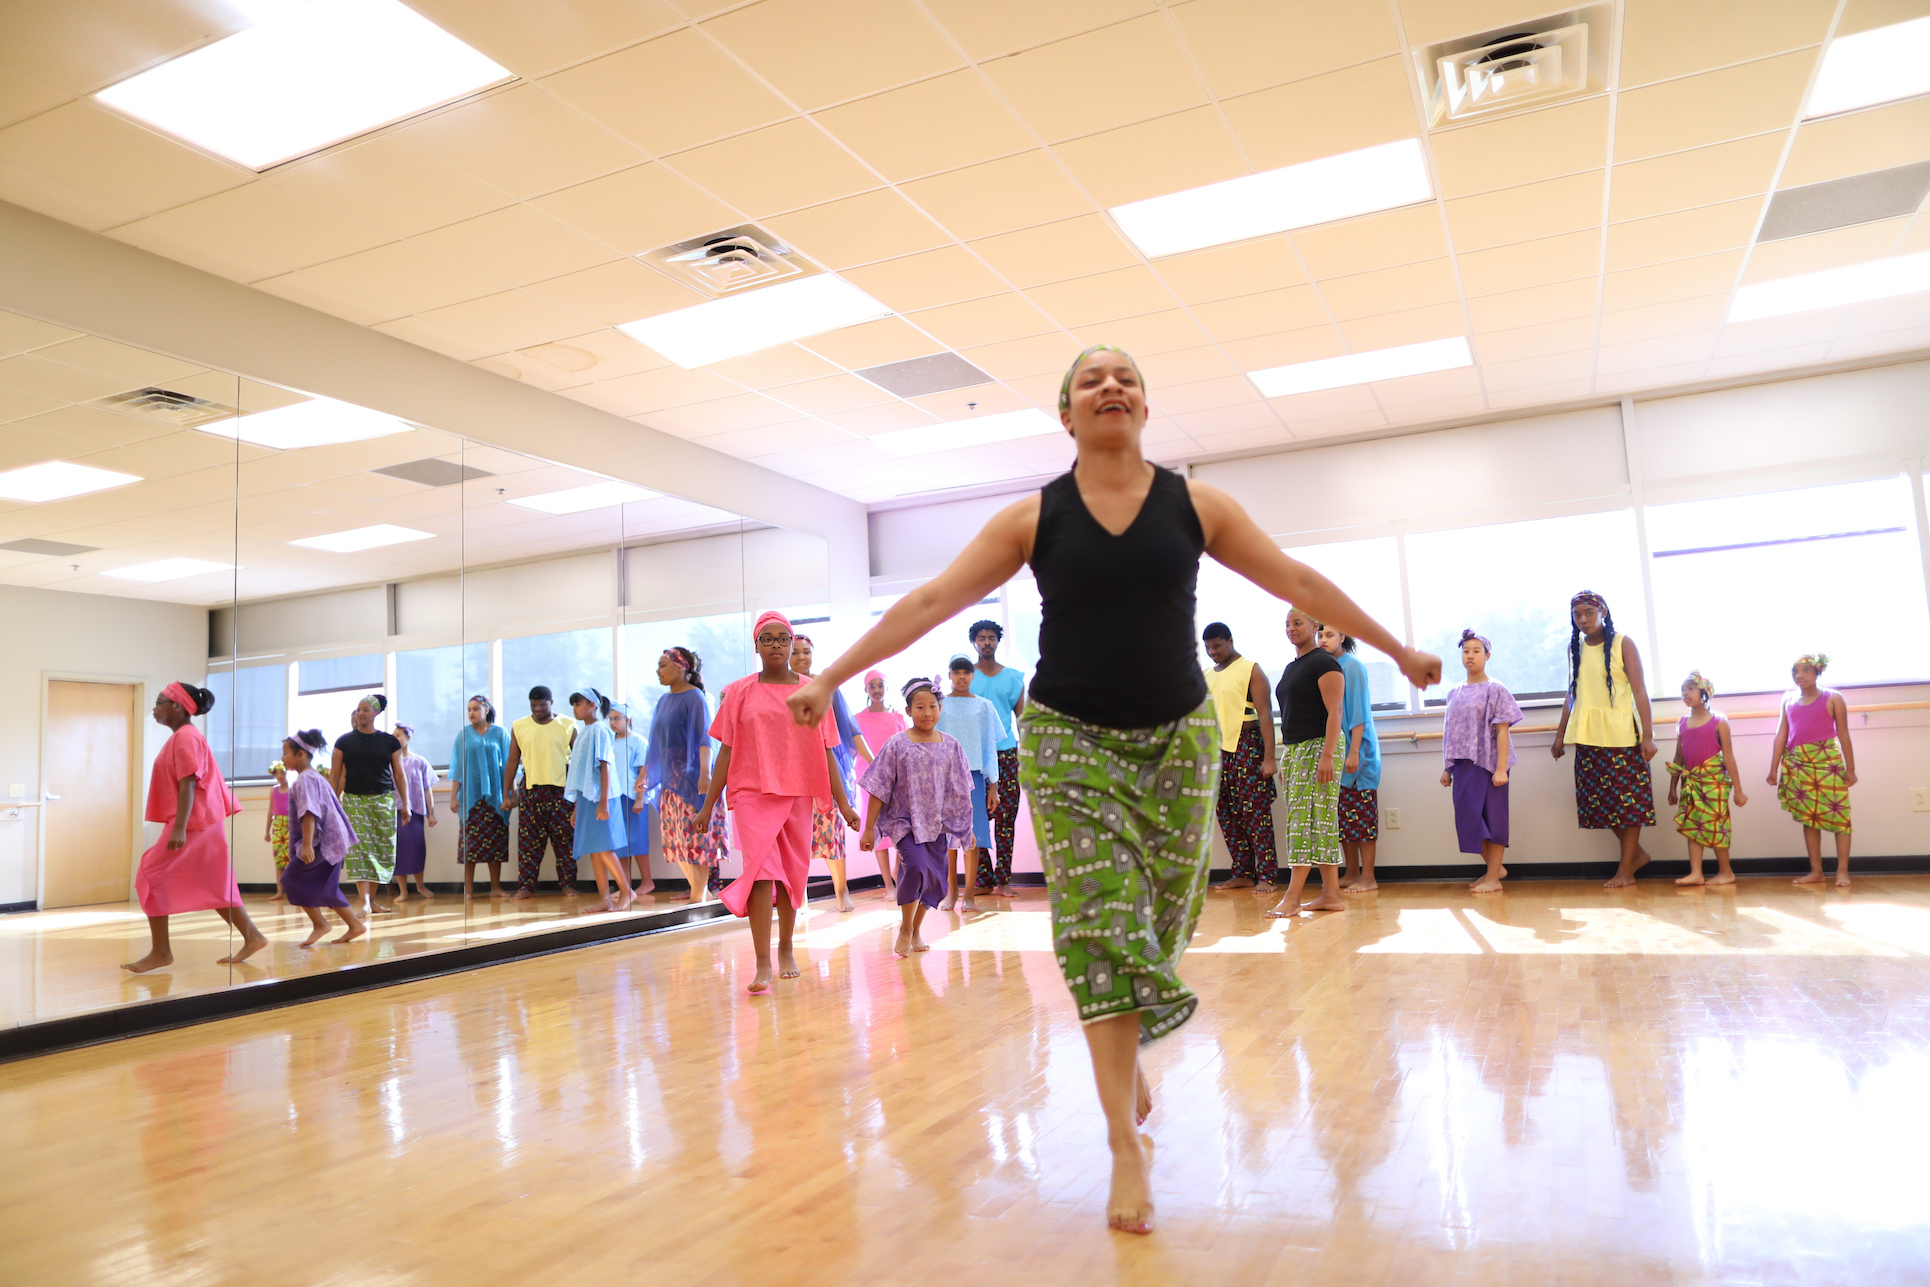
x=249, y=946
x=950, y=901
x=967, y=905
x=522, y=895
x=903, y=946
x=1843, y=881
x=761, y=982
x=496, y=891
x=1236, y=882
x=1325, y=903
x=1264, y=887
x=846, y=905
x=403, y=896
x=276, y=897
x=1693, y=878
x=684, y=897
x=1622, y=880
x=1723, y=878
x=1129, y=1206
x=426, y=892
x=152, y=961
x=1282, y=909
x=1144, y=1107
x=1809, y=878
x=1005, y=891
x=626, y=899
x=787, y=966
x=1362, y=886
x=377, y=909
x=350, y=934
x=315, y=936
x=1486, y=886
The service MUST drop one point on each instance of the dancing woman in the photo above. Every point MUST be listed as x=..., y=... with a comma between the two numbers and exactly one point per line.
x=368, y=774
x=1608, y=720
x=416, y=797
x=676, y=774
x=320, y=838
x=1120, y=763
x=476, y=763
x=187, y=869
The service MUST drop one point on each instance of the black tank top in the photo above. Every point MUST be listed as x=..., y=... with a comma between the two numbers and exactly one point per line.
x=1116, y=629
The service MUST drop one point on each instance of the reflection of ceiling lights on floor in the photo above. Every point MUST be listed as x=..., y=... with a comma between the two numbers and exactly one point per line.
x=363, y=538
x=575, y=500
x=168, y=570
x=318, y=422
x=57, y=480
x=308, y=75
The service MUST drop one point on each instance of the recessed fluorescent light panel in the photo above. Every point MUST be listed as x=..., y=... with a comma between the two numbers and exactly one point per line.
x=1364, y=368
x=57, y=480
x=1873, y=67
x=363, y=538
x=312, y=73
x=168, y=570
x=739, y=324
x=1833, y=287
x=1297, y=196
x=575, y=500
x=977, y=432
x=318, y=422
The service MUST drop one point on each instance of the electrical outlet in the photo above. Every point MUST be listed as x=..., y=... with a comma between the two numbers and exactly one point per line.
x=1920, y=799
x=16, y=790
x=1393, y=819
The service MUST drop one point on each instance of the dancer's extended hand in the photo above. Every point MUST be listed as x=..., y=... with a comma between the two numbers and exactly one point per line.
x=810, y=701
x=1423, y=669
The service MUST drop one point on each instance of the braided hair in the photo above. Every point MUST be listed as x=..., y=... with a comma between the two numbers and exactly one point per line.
x=1575, y=643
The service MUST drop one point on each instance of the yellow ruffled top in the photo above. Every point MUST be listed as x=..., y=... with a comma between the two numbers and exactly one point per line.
x=1594, y=720
x=1229, y=691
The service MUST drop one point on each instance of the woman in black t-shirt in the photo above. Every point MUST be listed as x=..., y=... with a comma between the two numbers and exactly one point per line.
x=367, y=772
x=1309, y=696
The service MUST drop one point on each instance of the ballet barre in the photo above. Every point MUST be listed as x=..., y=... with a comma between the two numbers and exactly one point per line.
x=1417, y=738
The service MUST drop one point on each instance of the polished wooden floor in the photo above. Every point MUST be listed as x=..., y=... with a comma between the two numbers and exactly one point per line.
x=1557, y=1085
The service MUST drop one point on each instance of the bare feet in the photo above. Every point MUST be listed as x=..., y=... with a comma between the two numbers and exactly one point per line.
x=1144, y=1107
x=249, y=946
x=496, y=891
x=426, y=892
x=1129, y=1206
x=1325, y=903
x=846, y=905
x=950, y=901
x=403, y=897
x=648, y=887
x=1622, y=880
x=1264, y=887
x=521, y=895
x=761, y=983
x=351, y=934
x=276, y=897
x=1693, y=878
x=1486, y=886
x=625, y=900
x=604, y=906
x=1843, y=880
x=1723, y=878
x=1809, y=878
x=918, y=943
x=787, y=965
x=1004, y=891
x=152, y=961
x=967, y=905
x=903, y=946
x=1236, y=882
x=1361, y=887
x=315, y=936
x=376, y=909
x=681, y=898
x=1283, y=909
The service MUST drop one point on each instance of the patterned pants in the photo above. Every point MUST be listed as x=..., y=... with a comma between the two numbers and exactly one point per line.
x=1612, y=788
x=1245, y=808
x=485, y=834
x=993, y=872
x=1813, y=787
x=1122, y=818
x=1359, y=814
x=372, y=857
x=547, y=819
x=1313, y=808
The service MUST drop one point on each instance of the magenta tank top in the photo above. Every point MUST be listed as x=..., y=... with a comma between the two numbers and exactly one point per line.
x=1699, y=745
x=1811, y=723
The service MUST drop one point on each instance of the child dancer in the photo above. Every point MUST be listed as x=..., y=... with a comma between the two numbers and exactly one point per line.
x=415, y=800
x=1478, y=749
x=776, y=770
x=322, y=836
x=1812, y=776
x=677, y=774
x=922, y=788
x=598, y=828
x=626, y=778
x=1700, y=774
x=879, y=724
x=971, y=720
x=277, y=833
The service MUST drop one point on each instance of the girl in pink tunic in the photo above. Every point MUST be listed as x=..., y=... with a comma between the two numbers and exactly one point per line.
x=188, y=870
x=775, y=770
x=879, y=724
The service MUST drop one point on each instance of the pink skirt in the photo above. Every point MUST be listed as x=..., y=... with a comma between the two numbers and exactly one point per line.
x=774, y=832
x=193, y=878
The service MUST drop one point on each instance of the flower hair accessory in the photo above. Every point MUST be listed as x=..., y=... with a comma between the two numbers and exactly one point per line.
x=1820, y=660
x=1700, y=681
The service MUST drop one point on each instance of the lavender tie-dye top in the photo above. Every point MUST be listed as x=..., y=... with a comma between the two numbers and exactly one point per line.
x=1472, y=712
x=924, y=791
x=309, y=793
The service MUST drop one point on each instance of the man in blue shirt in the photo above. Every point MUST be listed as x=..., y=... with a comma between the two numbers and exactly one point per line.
x=1004, y=687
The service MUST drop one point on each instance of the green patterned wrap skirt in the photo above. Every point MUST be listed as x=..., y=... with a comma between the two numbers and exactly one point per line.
x=372, y=857
x=1122, y=818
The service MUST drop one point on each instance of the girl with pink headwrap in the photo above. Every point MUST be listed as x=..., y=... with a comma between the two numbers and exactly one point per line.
x=879, y=724
x=775, y=769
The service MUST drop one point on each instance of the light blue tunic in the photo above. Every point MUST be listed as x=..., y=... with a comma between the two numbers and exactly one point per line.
x=976, y=726
x=1357, y=711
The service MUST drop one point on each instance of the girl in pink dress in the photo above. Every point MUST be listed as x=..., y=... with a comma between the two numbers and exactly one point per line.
x=879, y=724
x=776, y=771
x=188, y=870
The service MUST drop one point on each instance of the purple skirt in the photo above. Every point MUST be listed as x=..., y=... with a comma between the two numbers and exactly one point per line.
x=411, y=847
x=922, y=867
x=312, y=884
x=1480, y=807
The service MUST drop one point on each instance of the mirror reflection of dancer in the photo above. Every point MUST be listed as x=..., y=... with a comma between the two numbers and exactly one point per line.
x=1120, y=764
x=1004, y=687
x=676, y=774
x=827, y=832
x=971, y=720
x=539, y=744
x=626, y=778
x=1359, y=765
x=1311, y=692
x=1813, y=766
x=187, y=869
x=1608, y=720
x=1244, y=708
x=776, y=771
x=276, y=833
x=919, y=792
x=1478, y=754
x=597, y=828
x=1700, y=776
x=321, y=837
x=367, y=772
x=878, y=724
x=476, y=763
x=416, y=810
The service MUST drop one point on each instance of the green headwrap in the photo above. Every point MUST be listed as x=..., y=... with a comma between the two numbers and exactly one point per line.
x=1065, y=385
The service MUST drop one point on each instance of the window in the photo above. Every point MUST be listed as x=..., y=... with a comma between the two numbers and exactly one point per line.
x=562, y=662
x=1746, y=583
x=722, y=644
x=931, y=653
x=1512, y=582
x=249, y=720
x=432, y=690
x=340, y=674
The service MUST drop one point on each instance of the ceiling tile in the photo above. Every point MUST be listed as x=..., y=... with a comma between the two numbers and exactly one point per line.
x=889, y=339
x=131, y=365
x=1264, y=313
x=511, y=320
x=882, y=418
x=197, y=250
x=1699, y=177
x=769, y=368
x=971, y=402
x=1245, y=45
x=1286, y=348
x=1325, y=115
x=1532, y=263
x=1409, y=326
x=939, y=124
x=1514, y=150
x=615, y=293
x=657, y=390
x=1700, y=231
x=1153, y=333
x=1726, y=368
x=1228, y=391
x=816, y=54
x=21, y=334
x=984, y=321
x=830, y=393
x=1712, y=107
x=1819, y=327
x=1430, y=21
x=724, y=415
x=517, y=244
x=988, y=28
x=1534, y=210
x=1540, y=395
x=998, y=196
x=1653, y=47
x=1571, y=335
x=1383, y=240
x=1858, y=243
x=80, y=48
x=60, y=200
x=1856, y=143
x=1641, y=355
x=98, y=152
x=31, y=373
x=859, y=230
x=385, y=183
x=1675, y=279
x=1442, y=391
x=1056, y=251
x=1880, y=343
x=669, y=94
x=522, y=141
x=1169, y=154
x=1033, y=355
x=784, y=167
x=1389, y=290
x=1123, y=292
x=616, y=353
x=534, y=39
x=404, y=277
x=1351, y=399
x=793, y=435
x=639, y=209
x=1656, y=321
x=1074, y=87
x=1223, y=272
x=927, y=280
x=16, y=405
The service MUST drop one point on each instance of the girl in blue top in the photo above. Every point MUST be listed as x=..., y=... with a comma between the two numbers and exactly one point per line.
x=590, y=785
x=476, y=796
x=626, y=778
x=1360, y=768
x=972, y=721
x=1004, y=687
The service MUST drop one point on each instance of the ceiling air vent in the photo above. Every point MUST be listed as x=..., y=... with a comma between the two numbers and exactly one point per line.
x=34, y=545
x=166, y=406
x=720, y=263
x=1531, y=65
x=433, y=472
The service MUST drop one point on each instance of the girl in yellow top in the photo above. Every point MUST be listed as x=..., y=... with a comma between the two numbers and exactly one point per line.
x=1608, y=721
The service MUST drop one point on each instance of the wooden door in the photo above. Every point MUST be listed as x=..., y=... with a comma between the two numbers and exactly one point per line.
x=90, y=827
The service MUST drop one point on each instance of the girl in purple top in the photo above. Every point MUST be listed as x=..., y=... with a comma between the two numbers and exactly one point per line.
x=918, y=791
x=1478, y=752
x=1700, y=775
x=319, y=837
x=1812, y=766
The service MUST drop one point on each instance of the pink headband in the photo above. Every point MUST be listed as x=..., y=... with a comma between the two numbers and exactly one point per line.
x=767, y=619
x=870, y=675
x=181, y=697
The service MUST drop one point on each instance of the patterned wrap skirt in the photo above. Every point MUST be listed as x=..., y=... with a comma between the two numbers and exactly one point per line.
x=682, y=842
x=1612, y=788
x=1359, y=814
x=373, y=855
x=1813, y=787
x=827, y=832
x=485, y=834
x=278, y=839
x=1313, y=808
x=1702, y=808
x=1123, y=820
